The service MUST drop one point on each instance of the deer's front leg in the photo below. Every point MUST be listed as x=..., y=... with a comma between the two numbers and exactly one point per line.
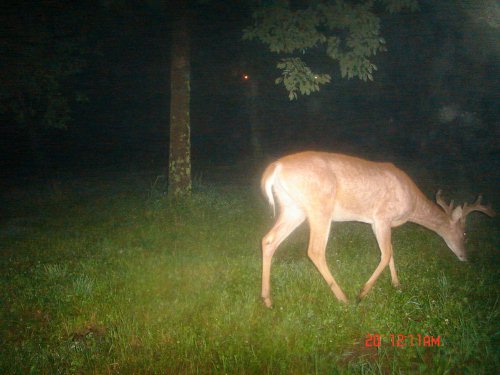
x=394, y=275
x=320, y=229
x=383, y=233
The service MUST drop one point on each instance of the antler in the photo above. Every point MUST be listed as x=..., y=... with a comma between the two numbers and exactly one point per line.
x=477, y=206
x=439, y=200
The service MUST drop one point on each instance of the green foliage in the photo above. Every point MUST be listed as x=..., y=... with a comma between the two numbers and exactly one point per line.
x=284, y=30
x=296, y=75
x=349, y=32
x=108, y=280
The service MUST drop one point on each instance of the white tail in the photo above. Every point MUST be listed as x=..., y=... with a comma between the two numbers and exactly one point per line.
x=267, y=186
x=325, y=187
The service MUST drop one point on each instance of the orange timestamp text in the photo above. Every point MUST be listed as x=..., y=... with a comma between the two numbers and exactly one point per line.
x=400, y=340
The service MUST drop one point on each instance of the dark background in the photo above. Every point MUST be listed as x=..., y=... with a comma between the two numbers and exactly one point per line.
x=432, y=109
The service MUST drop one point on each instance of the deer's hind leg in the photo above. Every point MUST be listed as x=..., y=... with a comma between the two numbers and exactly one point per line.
x=290, y=218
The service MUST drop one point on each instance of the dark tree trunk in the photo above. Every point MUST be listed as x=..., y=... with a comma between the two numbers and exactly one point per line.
x=180, y=155
x=252, y=105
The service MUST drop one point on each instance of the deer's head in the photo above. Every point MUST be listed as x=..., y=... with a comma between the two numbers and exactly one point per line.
x=454, y=234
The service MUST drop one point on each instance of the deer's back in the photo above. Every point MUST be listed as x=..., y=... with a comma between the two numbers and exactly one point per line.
x=351, y=188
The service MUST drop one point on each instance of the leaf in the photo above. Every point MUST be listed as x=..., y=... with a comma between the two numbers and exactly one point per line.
x=350, y=30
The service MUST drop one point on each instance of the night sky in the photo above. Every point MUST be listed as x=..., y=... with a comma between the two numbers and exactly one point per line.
x=433, y=106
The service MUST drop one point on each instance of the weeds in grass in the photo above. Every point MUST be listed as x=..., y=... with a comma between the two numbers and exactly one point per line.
x=55, y=271
x=157, y=191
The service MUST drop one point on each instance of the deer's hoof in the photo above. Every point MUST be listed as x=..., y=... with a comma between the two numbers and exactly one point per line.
x=361, y=295
x=344, y=300
x=267, y=302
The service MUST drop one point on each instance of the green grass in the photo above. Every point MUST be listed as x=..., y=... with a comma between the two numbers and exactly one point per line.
x=111, y=280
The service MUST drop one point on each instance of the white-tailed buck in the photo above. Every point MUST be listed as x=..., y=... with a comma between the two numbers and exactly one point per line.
x=324, y=187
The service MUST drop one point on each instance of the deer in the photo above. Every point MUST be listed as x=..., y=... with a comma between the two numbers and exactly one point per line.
x=328, y=187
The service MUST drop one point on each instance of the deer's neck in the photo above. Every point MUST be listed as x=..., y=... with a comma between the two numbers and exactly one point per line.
x=429, y=215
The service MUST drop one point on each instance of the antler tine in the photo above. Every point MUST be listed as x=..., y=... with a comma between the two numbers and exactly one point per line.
x=477, y=206
x=439, y=200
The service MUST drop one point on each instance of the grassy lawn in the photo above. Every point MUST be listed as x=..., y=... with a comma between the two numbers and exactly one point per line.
x=120, y=280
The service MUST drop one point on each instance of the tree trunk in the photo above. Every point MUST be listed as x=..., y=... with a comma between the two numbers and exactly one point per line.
x=180, y=155
x=251, y=99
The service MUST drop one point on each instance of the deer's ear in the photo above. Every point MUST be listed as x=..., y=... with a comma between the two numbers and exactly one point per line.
x=456, y=214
